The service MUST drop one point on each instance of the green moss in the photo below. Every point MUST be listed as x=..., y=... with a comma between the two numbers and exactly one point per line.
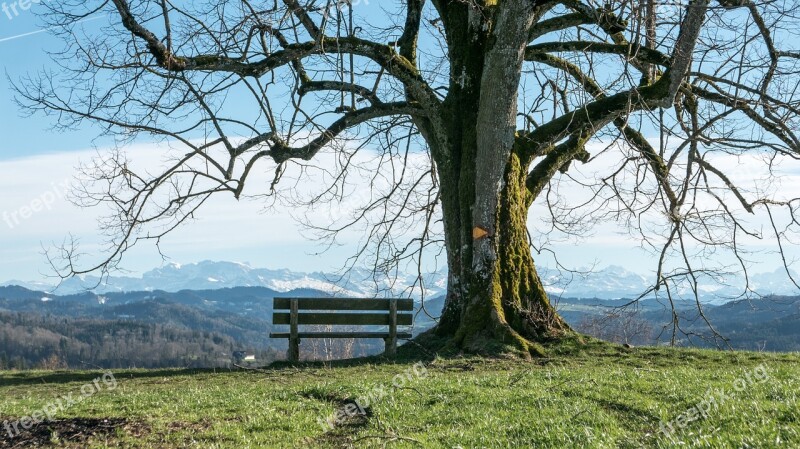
x=509, y=311
x=206, y=59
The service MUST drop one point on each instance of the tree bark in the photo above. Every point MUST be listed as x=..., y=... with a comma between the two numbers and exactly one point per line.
x=495, y=300
x=500, y=303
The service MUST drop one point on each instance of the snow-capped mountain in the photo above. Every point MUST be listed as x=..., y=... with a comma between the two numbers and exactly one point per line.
x=611, y=282
x=608, y=283
x=210, y=275
x=616, y=282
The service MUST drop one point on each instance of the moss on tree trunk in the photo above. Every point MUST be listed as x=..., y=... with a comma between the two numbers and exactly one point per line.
x=495, y=300
x=504, y=307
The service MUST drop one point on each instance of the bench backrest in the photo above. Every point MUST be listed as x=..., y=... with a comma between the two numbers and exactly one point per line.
x=344, y=311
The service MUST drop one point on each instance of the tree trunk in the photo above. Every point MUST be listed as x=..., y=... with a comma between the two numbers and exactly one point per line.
x=495, y=299
x=497, y=302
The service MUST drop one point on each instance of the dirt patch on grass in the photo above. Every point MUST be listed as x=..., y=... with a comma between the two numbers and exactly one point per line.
x=348, y=413
x=181, y=426
x=342, y=425
x=64, y=432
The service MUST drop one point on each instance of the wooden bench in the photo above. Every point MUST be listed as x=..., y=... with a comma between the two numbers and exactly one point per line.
x=391, y=312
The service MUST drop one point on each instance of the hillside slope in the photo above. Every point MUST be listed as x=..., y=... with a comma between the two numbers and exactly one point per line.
x=204, y=327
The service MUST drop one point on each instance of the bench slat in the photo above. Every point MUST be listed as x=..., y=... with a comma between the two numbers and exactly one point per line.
x=354, y=319
x=340, y=335
x=404, y=304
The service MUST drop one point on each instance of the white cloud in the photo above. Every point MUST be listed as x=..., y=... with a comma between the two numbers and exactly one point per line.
x=34, y=212
x=226, y=229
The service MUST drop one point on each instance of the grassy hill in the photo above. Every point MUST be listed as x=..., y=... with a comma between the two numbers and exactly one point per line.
x=589, y=396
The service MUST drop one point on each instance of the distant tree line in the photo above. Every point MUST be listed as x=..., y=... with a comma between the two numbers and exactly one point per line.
x=49, y=342
x=773, y=325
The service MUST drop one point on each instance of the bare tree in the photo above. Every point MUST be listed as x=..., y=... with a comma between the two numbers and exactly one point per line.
x=474, y=113
x=619, y=326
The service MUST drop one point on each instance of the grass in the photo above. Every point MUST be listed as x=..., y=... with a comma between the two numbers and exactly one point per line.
x=595, y=396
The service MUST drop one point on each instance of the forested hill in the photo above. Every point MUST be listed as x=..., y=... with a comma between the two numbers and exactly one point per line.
x=203, y=328
x=138, y=329
x=50, y=342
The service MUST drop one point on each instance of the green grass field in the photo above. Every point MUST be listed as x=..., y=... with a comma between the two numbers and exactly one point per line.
x=596, y=396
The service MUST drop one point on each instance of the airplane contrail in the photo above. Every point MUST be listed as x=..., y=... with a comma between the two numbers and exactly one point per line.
x=19, y=36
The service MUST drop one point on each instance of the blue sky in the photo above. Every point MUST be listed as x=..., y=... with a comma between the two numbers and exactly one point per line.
x=37, y=164
x=22, y=53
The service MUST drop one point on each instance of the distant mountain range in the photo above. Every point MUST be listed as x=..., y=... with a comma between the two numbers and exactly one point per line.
x=211, y=275
x=608, y=283
x=614, y=282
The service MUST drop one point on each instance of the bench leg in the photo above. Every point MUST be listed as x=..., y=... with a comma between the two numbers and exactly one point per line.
x=390, y=345
x=294, y=340
x=294, y=349
x=391, y=342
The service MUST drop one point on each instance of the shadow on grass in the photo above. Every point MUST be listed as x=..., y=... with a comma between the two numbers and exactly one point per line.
x=428, y=347
x=425, y=348
x=574, y=348
x=15, y=378
x=410, y=352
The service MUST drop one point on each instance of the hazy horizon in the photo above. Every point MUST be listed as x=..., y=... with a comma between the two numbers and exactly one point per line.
x=37, y=165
